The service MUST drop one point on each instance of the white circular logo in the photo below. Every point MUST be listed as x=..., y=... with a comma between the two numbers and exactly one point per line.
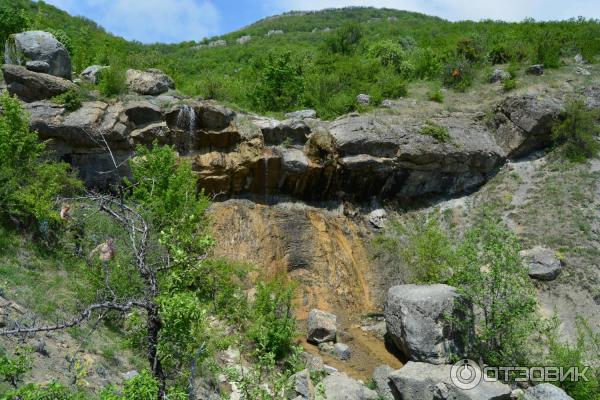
x=465, y=374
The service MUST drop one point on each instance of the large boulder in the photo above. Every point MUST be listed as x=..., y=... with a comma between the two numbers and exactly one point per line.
x=422, y=381
x=384, y=387
x=524, y=123
x=543, y=264
x=38, y=46
x=32, y=86
x=150, y=82
x=302, y=385
x=339, y=386
x=546, y=391
x=417, y=321
x=321, y=326
x=92, y=73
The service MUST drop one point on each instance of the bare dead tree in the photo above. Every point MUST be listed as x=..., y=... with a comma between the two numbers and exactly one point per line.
x=137, y=232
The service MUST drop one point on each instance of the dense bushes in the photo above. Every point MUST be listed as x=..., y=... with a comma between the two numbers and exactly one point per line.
x=29, y=183
x=578, y=133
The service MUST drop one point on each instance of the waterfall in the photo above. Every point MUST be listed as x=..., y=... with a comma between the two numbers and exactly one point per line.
x=186, y=120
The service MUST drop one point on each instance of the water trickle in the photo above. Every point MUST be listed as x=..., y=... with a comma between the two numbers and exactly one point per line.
x=186, y=120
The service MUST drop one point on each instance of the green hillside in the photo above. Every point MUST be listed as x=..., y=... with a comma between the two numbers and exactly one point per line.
x=324, y=59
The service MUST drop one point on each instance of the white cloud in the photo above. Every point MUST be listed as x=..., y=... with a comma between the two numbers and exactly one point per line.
x=509, y=10
x=149, y=20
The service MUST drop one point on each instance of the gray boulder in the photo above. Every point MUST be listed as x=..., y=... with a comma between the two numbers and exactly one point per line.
x=537, y=69
x=546, y=391
x=302, y=114
x=274, y=32
x=384, y=386
x=302, y=385
x=92, y=73
x=38, y=66
x=524, y=123
x=244, y=39
x=339, y=386
x=321, y=326
x=377, y=218
x=342, y=351
x=542, y=263
x=31, y=86
x=582, y=71
x=38, y=46
x=416, y=318
x=363, y=99
x=422, y=381
x=499, y=75
x=149, y=82
x=218, y=43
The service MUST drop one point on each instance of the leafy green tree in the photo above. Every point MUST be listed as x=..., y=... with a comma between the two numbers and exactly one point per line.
x=273, y=325
x=345, y=39
x=491, y=276
x=12, y=369
x=578, y=132
x=29, y=182
x=280, y=84
x=12, y=20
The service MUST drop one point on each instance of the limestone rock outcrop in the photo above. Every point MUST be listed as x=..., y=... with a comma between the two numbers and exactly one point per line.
x=32, y=86
x=417, y=322
x=40, y=47
x=149, y=82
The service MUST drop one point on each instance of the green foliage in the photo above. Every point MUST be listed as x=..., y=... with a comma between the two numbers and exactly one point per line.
x=13, y=19
x=577, y=134
x=111, y=81
x=165, y=186
x=53, y=391
x=458, y=74
x=436, y=95
x=469, y=49
x=427, y=251
x=548, y=51
x=29, y=184
x=280, y=84
x=491, y=276
x=438, y=132
x=581, y=354
x=345, y=39
x=391, y=86
x=499, y=54
x=62, y=37
x=71, y=100
x=273, y=325
x=509, y=84
x=12, y=369
x=426, y=63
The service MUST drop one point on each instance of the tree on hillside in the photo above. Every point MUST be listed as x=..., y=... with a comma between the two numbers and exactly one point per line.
x=153, y=244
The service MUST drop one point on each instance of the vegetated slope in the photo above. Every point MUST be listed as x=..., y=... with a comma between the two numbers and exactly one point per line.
x=324, y=59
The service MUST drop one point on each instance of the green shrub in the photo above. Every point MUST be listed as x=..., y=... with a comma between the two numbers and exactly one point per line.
x=12, y=369
x=273, y=325
x=436, y=95
x=577, y=134
x=427, y=252
x=280, y=84
x=391, y=86
x=29, y=184
x=458, y=75
x=439, y=133
x=111, y=81
x=469, y=49
x=509, y=84
x=499, y=54
x=583, y=353
x=70, y=100
x=13, y=19
x=548, y=51
x=53, y=391
x=426, y=63
x=491, y=276
x=345, y=39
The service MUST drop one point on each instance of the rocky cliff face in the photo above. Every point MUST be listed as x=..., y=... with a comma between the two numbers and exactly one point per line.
x=355, y=157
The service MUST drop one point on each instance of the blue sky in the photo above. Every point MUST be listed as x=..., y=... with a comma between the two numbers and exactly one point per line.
x=178, y=20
